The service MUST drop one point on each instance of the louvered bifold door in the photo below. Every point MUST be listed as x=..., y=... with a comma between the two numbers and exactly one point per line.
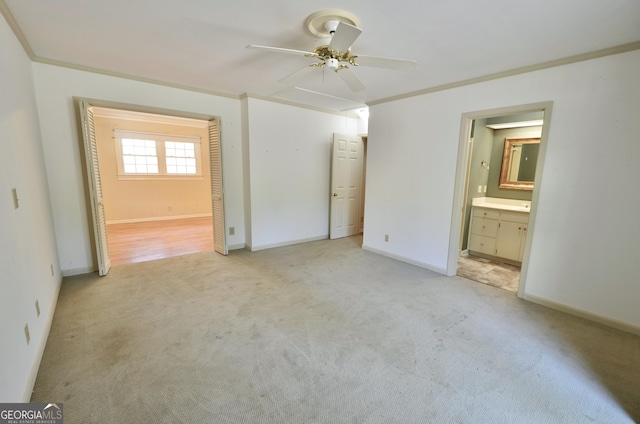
x=217, y=192
x=95, y=189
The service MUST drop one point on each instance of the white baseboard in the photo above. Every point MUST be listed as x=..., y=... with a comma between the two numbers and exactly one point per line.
x=424, y=265
x=158, y=218
x=78, y=271
x=35, y=367
x=236, y=246
x=610, y=322
x=287, y=243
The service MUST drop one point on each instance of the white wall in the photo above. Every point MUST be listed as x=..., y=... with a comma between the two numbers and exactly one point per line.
x=27, y=243
x=55, y=89
x=289, y=161
x=587, y=231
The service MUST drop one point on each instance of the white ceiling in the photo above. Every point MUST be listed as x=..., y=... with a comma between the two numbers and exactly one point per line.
x=200, y=44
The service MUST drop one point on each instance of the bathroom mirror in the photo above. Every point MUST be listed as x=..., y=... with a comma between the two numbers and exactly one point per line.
x=519, y=163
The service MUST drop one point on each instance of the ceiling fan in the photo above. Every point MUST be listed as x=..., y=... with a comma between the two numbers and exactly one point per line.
x=340, y=29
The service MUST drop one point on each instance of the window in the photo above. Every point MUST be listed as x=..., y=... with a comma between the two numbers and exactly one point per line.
x=157, y=156
x=181, y=157
x=139, y=156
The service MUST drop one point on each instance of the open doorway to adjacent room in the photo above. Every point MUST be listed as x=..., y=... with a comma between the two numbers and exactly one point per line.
x=154, y=181
x=499, y=168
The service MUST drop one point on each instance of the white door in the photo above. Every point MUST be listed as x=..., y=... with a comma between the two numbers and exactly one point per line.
x=95, y=189
x=217, y=193
x=346, y=186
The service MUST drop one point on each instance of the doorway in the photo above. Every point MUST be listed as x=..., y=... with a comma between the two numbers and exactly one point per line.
x=149, y=171
x=346, y=217
x=474, y=248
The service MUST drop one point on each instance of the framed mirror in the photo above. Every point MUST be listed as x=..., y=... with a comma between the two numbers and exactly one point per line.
x=519, y=160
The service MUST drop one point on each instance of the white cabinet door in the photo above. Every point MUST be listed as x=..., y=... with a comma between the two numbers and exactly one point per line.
x=509, y=240
x=523, y=240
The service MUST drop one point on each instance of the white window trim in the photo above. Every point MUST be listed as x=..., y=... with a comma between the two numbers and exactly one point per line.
x=160, y=139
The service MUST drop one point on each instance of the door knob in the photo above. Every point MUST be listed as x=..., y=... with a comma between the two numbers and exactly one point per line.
x=335, y=194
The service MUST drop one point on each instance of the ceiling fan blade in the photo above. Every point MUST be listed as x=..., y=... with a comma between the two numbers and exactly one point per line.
x=344, y=37
x=387, y=62
x=300, y=73
x=280, y=50
x=350, y=78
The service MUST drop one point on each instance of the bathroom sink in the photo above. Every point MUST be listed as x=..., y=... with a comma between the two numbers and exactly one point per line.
x=504, y=204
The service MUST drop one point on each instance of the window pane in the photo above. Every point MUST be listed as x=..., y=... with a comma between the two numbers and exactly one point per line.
x=139, y=156
x=181, y=157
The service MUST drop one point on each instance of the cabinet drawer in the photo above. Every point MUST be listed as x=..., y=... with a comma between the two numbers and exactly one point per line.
x=486, y=213
x=521, y=217
x=482, y=244
x=484, y=227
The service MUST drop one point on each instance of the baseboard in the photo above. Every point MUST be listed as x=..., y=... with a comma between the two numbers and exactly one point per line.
x=35, y=367
x=77, y=271
x=158, y=218
x=600, y=319
x=424, y=265
x=464, y=253
x=288, y=243
x=236, y=246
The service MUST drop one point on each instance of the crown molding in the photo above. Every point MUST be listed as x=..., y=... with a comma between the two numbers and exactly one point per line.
x=68, y=65
x=623, y=48
x=11, y=21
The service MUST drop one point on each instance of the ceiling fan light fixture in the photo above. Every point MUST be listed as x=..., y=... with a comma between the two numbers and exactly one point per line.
x=332, y=64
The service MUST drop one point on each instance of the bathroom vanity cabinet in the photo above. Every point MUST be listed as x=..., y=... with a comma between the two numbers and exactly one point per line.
x=498, y=234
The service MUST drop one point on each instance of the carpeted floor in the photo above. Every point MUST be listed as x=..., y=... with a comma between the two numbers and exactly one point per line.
x=324, y=332
x=486, y=271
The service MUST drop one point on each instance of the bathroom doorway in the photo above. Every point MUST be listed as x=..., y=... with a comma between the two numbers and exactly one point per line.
x=493, y=219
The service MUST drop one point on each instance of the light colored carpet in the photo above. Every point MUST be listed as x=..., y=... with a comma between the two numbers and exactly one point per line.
x=324, y=332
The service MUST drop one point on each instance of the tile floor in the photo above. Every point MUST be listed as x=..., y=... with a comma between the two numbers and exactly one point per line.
x=489, y=272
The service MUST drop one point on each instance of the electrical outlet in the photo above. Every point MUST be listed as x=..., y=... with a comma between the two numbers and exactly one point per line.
x=232, y=231
x=386, y=237
x=26, y=333
x=37, y=307
x=484, y=189
x=479, y=189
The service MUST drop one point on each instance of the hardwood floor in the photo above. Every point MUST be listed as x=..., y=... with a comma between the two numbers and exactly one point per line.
x=146, y=241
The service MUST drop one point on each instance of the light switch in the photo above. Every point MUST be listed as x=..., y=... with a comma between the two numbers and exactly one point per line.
x=479, y=189
x=16, y=201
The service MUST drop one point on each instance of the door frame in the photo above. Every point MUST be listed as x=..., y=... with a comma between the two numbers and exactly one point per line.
x=459, y=194
x=144, y=109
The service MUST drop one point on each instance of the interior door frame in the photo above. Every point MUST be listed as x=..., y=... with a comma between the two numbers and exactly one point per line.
x=459, y=194
x=144, y=109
